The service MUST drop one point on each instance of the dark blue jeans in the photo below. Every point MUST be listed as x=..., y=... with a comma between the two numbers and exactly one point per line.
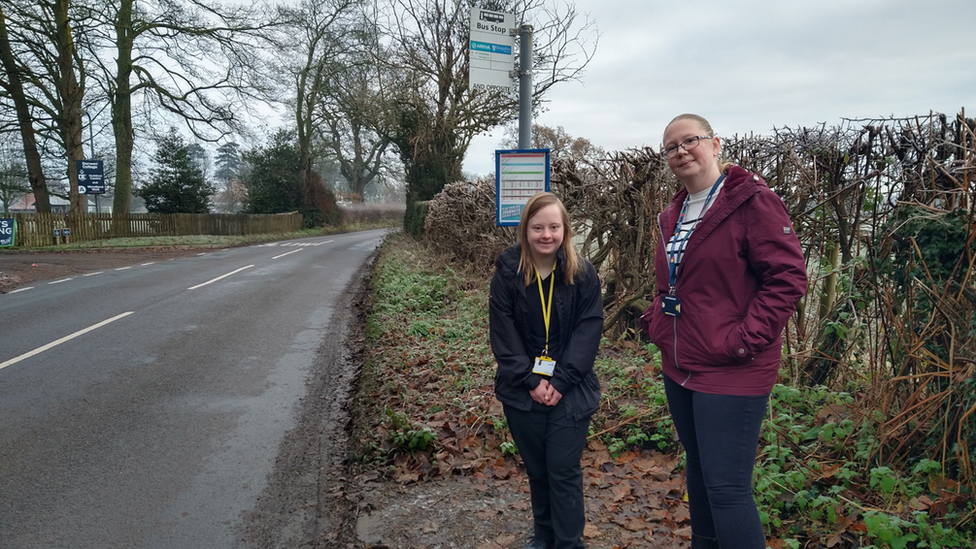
x=720, y=434
x=551, y=446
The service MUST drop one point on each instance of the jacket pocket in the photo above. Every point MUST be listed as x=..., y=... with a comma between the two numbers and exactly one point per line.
x=735, y=347
x=707, y=339
x=586, y=399
x=651, y=321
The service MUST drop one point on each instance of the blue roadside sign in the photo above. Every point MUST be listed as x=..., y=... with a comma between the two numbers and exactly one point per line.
x=8, y=232
x=91, y=176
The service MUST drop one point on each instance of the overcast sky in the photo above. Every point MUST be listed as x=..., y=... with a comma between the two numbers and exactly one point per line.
x=751, y=65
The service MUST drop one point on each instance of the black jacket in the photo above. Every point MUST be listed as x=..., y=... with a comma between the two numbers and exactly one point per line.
x=580, y=310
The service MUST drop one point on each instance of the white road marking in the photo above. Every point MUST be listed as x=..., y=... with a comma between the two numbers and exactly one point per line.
x=287, y=253
x=305, y=244
x=64, y=339
x=218, y=278
x=123, y=268
x=60, y=281
x=93, y=274
x=20, y=290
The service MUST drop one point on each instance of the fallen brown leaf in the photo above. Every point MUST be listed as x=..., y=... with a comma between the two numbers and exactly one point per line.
x=621, y=491
x=505, y=540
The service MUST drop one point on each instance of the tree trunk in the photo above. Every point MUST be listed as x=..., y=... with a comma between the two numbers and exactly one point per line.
x=829, y=292
x=363, y=167
x=122, y=113
x=70, y=92
x=15, y=87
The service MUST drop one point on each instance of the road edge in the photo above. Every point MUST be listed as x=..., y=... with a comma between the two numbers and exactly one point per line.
x=306, y=502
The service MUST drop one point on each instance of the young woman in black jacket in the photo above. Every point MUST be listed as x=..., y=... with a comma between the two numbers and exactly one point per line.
x=546, y=320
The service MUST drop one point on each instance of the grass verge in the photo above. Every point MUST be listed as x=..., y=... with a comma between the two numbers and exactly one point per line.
x=201, y=241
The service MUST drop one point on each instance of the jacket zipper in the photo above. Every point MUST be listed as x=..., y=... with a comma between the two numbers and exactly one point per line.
x=674, y=321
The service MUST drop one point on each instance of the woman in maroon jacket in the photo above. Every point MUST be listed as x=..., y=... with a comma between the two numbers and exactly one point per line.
x=730, y=272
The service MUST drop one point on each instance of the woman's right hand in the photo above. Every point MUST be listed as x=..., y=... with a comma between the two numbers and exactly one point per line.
x=541, y=393
x=546, y=394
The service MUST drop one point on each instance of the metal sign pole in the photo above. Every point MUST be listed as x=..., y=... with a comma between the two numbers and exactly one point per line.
x=91, y=143
x=525, y=87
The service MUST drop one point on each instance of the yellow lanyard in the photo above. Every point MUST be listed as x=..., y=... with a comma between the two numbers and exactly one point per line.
x=546, y=309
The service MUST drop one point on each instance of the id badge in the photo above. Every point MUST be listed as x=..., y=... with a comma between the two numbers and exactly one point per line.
x=544, y=366
x=671, y=305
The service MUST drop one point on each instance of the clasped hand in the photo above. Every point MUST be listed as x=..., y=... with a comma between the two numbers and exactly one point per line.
x=546, y=394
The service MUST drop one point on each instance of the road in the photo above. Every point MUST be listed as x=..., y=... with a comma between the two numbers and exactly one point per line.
x=146, y=406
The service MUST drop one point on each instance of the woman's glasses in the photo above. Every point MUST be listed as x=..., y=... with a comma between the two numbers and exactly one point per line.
x=687, y=145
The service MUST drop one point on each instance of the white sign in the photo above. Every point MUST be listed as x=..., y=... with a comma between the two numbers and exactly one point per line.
x=491, y=50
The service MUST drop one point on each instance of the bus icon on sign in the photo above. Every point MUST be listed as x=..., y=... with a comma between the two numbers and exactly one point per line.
x=493, y=17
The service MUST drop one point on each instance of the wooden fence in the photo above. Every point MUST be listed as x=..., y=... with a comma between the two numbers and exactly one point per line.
x=36, y=229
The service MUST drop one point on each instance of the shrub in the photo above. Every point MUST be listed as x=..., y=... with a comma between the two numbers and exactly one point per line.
x=461, y=222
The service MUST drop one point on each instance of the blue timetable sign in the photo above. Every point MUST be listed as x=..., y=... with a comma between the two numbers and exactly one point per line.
x=519, y=174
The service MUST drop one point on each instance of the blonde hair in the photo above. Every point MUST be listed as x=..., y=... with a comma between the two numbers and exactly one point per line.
x=573, y=265
x=722, y=165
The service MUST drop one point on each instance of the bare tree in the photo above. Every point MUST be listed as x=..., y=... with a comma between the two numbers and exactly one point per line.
x=559, y=143
x=13, y=87
x=356, y=109
x=338, y=92
x=318, y=37
x=44, y=78
x=350, y=132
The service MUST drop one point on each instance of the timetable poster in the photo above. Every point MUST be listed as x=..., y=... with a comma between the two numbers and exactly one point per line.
x=519, y=174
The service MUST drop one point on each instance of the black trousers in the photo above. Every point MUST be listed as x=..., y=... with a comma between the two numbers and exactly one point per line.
x=720, y=434
x=551, y=446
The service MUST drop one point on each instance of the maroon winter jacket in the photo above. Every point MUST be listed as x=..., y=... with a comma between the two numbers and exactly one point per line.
x=739, y=280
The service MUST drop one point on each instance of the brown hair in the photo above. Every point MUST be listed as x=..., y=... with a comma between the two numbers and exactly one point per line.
x=573, y=265
x=722, y=165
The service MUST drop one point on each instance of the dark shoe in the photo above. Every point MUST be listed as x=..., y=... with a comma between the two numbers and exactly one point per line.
x=537, y=543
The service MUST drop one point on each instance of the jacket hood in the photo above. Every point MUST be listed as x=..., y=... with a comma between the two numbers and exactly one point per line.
x=735, y=176
x=507, y=261
x=739, y=185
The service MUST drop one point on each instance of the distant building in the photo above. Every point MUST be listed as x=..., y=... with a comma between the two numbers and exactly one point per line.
x=25, y=204
x=99, y=203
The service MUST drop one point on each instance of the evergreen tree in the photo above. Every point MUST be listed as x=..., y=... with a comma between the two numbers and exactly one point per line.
x=178, y=184
x=228, y=162
x=272, y=184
